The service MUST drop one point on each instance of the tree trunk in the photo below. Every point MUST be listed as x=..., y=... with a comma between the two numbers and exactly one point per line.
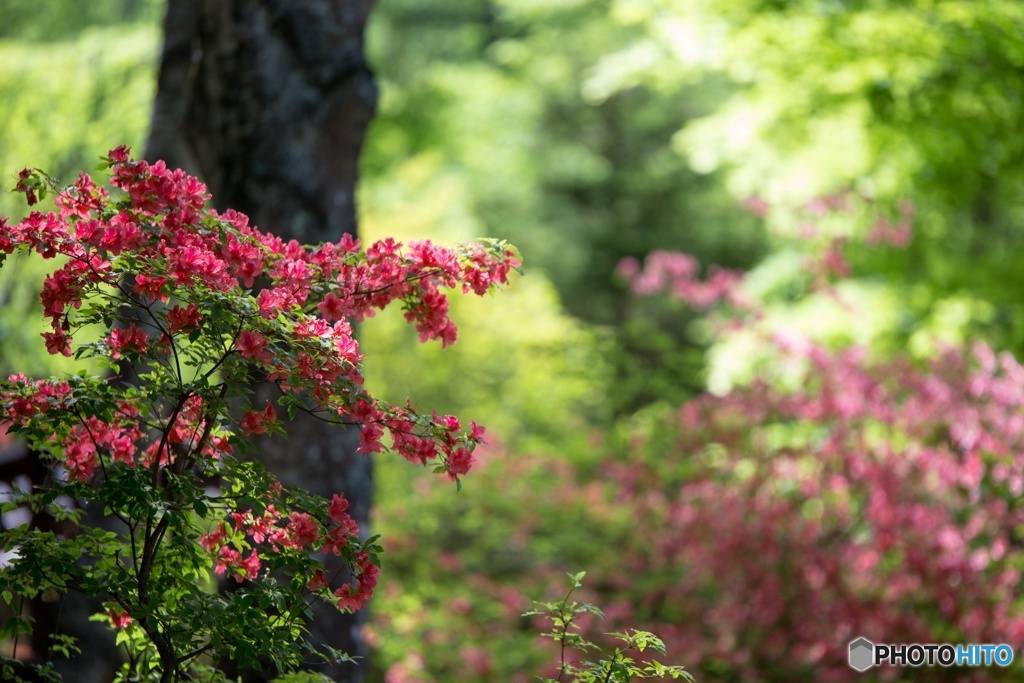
x=268, y=102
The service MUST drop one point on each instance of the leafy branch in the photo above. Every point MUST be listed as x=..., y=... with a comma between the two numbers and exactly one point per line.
x=614, y=667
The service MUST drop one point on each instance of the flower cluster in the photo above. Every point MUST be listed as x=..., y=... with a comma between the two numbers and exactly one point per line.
x=161, y=237
x=276, y=533
x=678, y=274
x=171, y=284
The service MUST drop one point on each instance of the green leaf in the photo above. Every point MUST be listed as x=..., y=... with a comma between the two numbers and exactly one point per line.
x=15, y=626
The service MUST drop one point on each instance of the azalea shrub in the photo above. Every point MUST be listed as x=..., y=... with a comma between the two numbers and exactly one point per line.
x=877, y=499
x=872, y=496
x=187, y=307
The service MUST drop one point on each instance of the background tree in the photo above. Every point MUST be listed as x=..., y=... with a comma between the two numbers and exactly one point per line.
x=269, y=103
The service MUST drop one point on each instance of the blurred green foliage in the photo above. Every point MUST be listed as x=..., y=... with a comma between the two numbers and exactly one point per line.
x=543, y=118
x=88, y=88
x=56, y=21
x=78, y=80
x=916, y=100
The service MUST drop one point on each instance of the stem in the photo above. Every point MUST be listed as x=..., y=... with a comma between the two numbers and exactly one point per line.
x=163, y=437
x=197, y=652
x=150, y=624
x=21, y=608
x=154, y=536
x=223, y=358
x=563, y=613
x=151, y=544
x=163, y=648
x=135, y=552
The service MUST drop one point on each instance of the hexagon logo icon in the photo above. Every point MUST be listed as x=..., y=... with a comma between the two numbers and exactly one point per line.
x=862, y=654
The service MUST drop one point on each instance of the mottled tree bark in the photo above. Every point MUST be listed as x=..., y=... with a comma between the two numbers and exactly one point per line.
x=268, y=102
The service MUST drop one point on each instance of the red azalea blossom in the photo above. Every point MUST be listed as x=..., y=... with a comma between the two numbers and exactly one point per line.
x=130, y=339
x=350, y=598
x=332, y=308
x=229, y=558
x=119, y=618
x=459, y=463
x=252, y=345
x=250, y=567
x=257, y=422
x=57, y=343
x=213, y=539
x=120, y=154
x=151, y=287
x=338, y=507
x=354, y=598
x=186, y=319
x=317, y=582
x=302, y=530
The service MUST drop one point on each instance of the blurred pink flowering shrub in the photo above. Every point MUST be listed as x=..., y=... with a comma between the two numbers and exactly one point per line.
x=880, y=499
